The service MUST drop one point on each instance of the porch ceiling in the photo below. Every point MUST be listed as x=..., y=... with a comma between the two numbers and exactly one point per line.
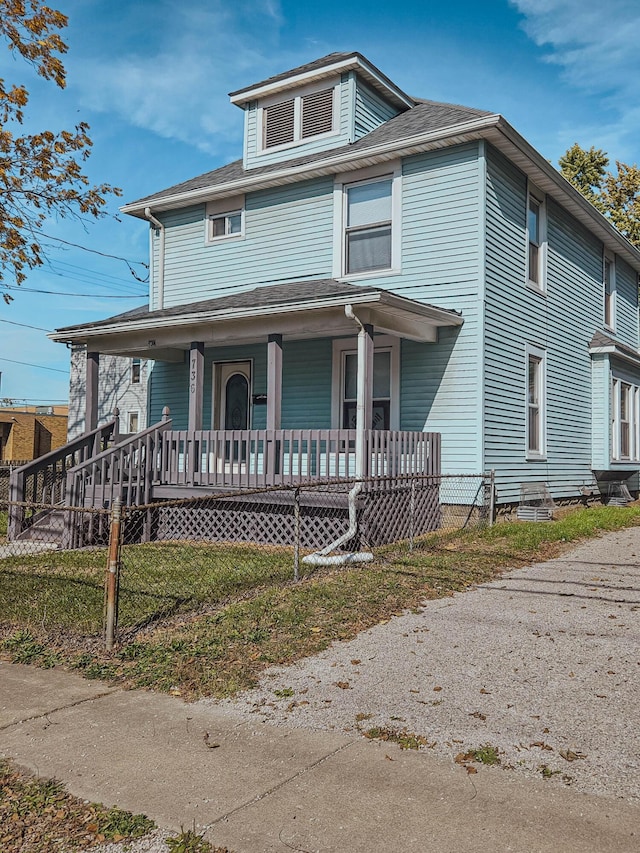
x=297, y=311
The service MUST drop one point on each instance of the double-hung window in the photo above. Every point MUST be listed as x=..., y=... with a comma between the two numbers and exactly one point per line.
x=536, y=241
x=381, y=406
x=368, y=226
x=626, y=422
x=536, y=393
x=136, y=371
x=609, y=291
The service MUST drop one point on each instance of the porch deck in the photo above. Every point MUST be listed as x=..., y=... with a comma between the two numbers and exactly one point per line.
x=161, y=463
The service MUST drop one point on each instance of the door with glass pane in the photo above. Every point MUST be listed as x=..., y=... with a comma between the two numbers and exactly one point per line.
x=234, y=395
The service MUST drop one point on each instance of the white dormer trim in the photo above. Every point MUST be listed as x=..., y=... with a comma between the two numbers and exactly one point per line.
x=368, y=72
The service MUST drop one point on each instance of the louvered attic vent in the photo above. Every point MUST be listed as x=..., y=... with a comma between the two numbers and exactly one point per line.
x=317, y=113
x=279, y=124
x=301, y=117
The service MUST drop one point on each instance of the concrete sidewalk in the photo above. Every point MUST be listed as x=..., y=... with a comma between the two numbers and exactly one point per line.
x=258, y=788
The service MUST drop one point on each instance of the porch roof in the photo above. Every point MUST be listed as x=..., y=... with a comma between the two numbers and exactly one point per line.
x=296, y=310
x=601, y=343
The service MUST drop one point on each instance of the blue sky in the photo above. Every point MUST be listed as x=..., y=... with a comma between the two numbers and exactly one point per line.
x=152, y=78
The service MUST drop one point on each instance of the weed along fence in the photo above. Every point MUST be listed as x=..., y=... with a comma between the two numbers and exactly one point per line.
x=133, y=566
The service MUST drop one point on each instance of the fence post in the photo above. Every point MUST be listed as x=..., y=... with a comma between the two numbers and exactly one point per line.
x=412, y=513
x=492, y=497
x=296, y=535
x=113, y=569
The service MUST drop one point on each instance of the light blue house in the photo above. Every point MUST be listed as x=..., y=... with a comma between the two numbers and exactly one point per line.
x=419, y=257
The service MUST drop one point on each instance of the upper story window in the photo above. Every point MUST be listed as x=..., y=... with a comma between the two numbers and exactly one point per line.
x=609, y=290
x=224, y=219
x=136, y=373
x=368, y=226
x=303, y=116
x=536, y=241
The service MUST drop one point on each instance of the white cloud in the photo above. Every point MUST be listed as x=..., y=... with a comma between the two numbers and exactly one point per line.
x=175, y=81
x=595, y=42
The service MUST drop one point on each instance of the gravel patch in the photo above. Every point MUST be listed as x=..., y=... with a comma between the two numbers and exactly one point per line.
x=154, y=842
x=543, y=664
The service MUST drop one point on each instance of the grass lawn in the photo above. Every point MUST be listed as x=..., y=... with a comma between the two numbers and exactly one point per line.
x=231, y=611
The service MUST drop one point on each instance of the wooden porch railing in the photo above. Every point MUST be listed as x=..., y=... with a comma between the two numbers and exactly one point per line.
x=44, y=479
x=241, y=459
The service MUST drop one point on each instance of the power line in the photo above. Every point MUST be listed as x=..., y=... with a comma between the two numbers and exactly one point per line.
x=39, y=366
x=25, y=325
x=66, y=293
x=129, y=263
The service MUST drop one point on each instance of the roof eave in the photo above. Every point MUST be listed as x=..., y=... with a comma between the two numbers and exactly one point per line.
x=343, y=162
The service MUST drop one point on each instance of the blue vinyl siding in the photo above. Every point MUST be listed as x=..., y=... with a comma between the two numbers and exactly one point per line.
x=441, y=218
x=561, y=323
x=288, y=236
x=305, y=403
x=252, y=158
x=626, y=319
x=371, y=110
x=600, y=412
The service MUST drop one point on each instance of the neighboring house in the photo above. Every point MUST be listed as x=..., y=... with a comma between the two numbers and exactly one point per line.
x=31, y=431
x=420, y=254
x=122, y=384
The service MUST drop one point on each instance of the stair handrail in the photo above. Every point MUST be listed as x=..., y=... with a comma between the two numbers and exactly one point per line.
x=52, y=488
x=76, y=474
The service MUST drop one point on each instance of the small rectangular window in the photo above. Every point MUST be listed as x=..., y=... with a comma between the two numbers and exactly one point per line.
x=133, y=421
x=136, y=369
x=368, y=227
x=225, y=225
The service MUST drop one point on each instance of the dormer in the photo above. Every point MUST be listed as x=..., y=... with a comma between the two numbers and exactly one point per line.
x=316, y=107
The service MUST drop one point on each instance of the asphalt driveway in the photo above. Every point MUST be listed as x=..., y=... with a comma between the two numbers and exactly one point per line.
x=543, y=664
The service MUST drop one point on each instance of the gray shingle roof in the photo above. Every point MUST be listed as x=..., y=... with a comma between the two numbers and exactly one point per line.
x=260, y=297
x=329, y=59
x=425, y=116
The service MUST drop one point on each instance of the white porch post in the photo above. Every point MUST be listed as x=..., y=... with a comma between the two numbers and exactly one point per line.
x=196, y=384
x=364, y=403
x=274, y=381
x=91, y=392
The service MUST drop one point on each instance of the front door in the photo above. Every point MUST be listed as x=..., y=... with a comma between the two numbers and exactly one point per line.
x=234, y=391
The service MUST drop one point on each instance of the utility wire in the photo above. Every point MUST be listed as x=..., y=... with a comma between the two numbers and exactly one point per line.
x=25, y=325
x=66, y=293
x=39, y=366
x=129, y=263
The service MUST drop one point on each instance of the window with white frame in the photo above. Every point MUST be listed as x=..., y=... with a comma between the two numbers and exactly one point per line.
x=609, y=290
x=536, y=240
x=133, y=421
x=136, y=371
x=303, y=116
x=368, y=226
x=536, y=403
x=385, y=383
x=625, y=443
x=225, y=219
x=381, y=403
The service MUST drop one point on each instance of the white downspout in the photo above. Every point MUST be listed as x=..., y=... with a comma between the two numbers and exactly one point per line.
x=160, y=284
x=321, y=558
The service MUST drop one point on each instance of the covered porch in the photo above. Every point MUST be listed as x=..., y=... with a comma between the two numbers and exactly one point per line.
x=238, y=424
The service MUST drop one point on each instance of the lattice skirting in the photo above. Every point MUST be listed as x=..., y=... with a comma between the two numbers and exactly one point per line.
x=385, y=514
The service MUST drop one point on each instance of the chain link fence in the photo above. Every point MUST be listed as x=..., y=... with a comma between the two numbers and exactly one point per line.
x=111, y=572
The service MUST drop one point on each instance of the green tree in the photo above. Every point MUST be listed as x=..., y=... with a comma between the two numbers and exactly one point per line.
x=621, y=200
x=40, y=174
x=616, y=195
x=586, y=170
